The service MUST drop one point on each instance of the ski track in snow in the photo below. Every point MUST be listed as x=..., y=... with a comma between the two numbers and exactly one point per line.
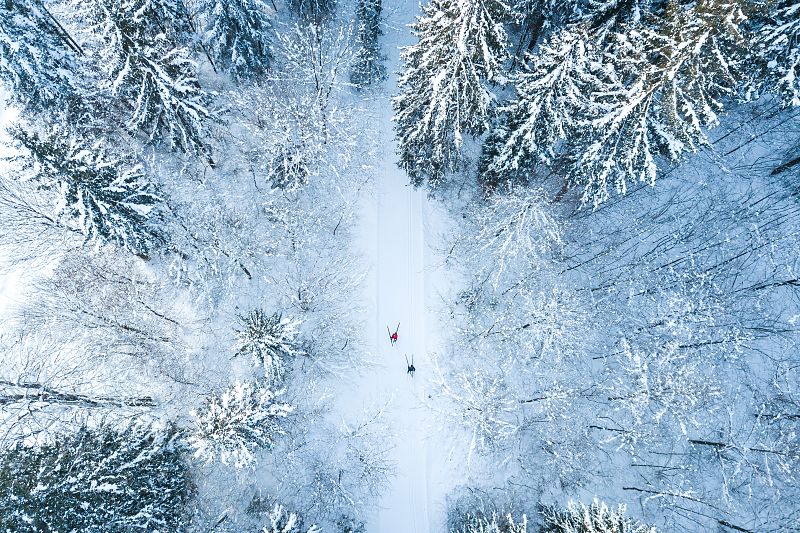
x=400, y=297
x=393, y=241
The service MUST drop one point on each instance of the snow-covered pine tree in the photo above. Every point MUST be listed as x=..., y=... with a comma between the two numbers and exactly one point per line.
x=315, y=11
x=96, y=480
x=143, y=55
x=779, y=40
x=673, y=77
x=102, y=193
x=231, y=427
x=548, y=106
x=597, y=517
x=38, y=59
x=269, y=340
x=613, y=103
x=443, y=86
x=368, y=67
x=236, y=34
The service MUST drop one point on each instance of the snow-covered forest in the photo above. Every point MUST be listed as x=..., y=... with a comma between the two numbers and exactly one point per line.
x=464, y=266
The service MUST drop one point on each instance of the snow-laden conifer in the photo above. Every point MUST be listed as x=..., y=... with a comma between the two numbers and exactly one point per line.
x=613, y=104
x=780, y=42
x=550, y=99
x=444, y=93
x=98, y=479
x=146, y=64
x=315, y=11
x=38, y=59
x=231, y=427
x=615, y=12
x=269, y=341
x=537, y=19
x=368, y=66
x=236, y=33
x=671, y=81
x=101, y=192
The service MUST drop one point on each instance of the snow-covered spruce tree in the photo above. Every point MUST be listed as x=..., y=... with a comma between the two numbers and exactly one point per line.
x=629, y=98
x=315, y=11
x=230, y=428
x=101, y=193
x=616, y=13
x=269, y=340
x=236, y=34
x=368, y=67
x=143, y=54
x=537, y=19
x=494, y=523
x=548, y=108
x=38, y=59
x=674, y=78
x=597, y=517
x=444, y=92
x=779, y=40
x=283, y=521
x=98, y=479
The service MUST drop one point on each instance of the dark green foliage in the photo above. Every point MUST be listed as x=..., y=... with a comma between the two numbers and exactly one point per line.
x=106, y=197
x=37, y=59
x=144, y=57
x=97, y=480
x=445, y=84
x=237, y=35
x=368, y=67
x=312, y=10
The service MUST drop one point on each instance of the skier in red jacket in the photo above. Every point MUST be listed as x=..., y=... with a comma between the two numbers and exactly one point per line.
x=393, y=336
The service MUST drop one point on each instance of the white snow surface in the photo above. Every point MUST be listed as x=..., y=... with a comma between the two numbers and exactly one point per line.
x=401, y=290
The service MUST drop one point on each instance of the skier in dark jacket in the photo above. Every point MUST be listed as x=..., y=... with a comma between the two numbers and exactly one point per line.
x=411, y=368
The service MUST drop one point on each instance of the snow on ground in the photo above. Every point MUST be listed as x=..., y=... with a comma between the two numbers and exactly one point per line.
x=400, y=290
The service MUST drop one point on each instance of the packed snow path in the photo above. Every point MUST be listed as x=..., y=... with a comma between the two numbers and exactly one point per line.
x=400, y=298
x=397, y=253
x=393, y=232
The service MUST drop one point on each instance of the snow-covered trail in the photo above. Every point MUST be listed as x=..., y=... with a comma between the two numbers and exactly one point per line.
x=394, y=223
x=393, y=232
x=400, y=299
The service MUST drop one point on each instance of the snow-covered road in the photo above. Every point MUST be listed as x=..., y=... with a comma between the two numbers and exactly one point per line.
x=395, y=244
x=400, y=299
x=394, y=241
